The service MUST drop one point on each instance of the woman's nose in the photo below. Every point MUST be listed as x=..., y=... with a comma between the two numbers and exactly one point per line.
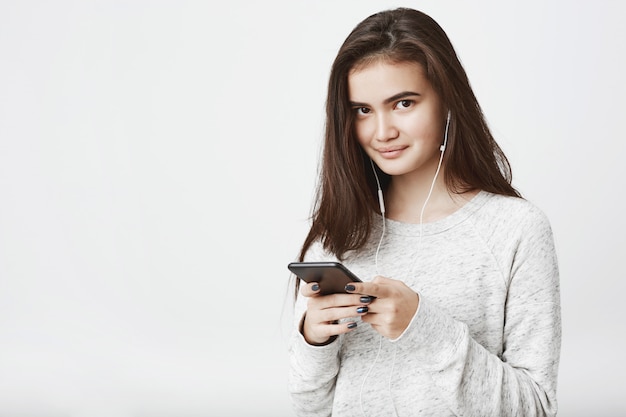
x=385, y=128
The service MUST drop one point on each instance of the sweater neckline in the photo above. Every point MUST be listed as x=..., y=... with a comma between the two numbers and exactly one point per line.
x=441, y=225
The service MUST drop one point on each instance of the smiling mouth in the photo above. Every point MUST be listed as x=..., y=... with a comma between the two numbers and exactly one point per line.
x=391, y=152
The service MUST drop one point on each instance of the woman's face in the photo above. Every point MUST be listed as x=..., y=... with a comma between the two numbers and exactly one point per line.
x=399, y=120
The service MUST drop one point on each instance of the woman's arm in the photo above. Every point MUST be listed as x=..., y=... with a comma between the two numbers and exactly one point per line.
x=517, y=376
x=522, y=380
x=313, y=370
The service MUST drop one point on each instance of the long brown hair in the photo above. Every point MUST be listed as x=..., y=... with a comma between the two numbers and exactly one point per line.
x=346, y=199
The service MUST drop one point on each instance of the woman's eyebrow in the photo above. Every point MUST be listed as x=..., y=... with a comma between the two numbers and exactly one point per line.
x=391, y=99
x=400, y=96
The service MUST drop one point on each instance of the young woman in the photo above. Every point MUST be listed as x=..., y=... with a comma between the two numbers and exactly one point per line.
x=459, y=312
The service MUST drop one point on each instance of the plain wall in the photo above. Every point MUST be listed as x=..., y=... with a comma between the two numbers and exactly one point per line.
x=157, y=165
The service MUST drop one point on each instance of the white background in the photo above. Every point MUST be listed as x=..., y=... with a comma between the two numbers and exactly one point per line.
x=157, y=164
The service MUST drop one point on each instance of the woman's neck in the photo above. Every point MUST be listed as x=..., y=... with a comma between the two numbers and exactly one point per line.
x=405, y=199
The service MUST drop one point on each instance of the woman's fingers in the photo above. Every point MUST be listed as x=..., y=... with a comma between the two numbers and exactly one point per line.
x=379, y=287
x=318, y=335
x=331, y=315
x=388, y=305
x=394, y=306
x=334, y=314
x=318, y=332
x=309, y=289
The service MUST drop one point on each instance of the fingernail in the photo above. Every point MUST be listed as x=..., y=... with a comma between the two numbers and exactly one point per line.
x=315, y=287
x=350, y=287
x=363, y=309
x=365, y=299
x=351, y=325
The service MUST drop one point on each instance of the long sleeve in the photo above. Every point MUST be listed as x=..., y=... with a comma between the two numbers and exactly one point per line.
x=521, y=381
x=312, y=377
x=313, y=369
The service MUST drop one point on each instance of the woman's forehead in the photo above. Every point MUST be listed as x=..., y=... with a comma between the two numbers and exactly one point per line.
x=381, y=79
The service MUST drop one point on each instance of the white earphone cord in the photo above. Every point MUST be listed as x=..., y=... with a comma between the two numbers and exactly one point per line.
x=381, y=203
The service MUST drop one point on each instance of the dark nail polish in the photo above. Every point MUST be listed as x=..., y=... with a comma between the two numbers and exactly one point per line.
x=351, y=325
x=363, y=309
x=315, y=287
x=350, y=287
x=365, y=299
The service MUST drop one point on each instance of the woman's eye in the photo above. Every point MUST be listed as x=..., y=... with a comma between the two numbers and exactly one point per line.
x=403, y=104
x=362, y=110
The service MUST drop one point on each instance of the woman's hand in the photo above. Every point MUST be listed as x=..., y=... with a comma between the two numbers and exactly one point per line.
x=394, y=307
x=321, y=322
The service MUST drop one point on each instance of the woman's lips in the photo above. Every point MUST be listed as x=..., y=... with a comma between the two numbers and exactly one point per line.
x=390, y=153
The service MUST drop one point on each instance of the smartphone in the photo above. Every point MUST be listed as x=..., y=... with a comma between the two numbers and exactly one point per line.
x=332, y=277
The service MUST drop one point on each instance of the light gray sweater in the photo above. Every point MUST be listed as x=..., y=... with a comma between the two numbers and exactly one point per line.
x=485, y=340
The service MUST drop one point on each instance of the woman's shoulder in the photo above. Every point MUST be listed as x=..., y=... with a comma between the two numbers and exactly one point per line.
x=512, y=212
